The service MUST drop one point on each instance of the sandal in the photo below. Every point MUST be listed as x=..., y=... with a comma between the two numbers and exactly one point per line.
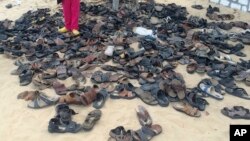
x=146, y=97
x=143, y=116
x=179, y=88
x=162, y=98
x=120, y=134
x=124, y=93
x=41, y=83
x=192, y=67
x=38, y=99
x=237, y=112
x=239, y=92
x=147, y=133
x=91, y=120
x=61, y=72
x=196, y=101
x=209, y=90
x=88, y=97
x=57, y=126
x=59, y=88
x=187, y=109
x=25, y=77
x=71, y=98
x=101, y=97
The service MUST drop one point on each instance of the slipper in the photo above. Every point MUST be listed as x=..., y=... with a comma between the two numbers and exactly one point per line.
x=162, y=98
x=143, y=116
x=146, y=97
x=59, y=88
x=91, y=120
x=61, y=72
x=237, y=112
x=210, y=91
x=239, y=92
x=187, y=109
x=101, y=97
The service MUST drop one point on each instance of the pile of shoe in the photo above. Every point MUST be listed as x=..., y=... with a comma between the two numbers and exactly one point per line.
x=145, y=133
x=45, y=58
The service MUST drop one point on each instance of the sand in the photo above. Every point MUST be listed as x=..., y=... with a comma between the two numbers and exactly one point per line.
x=21, y=123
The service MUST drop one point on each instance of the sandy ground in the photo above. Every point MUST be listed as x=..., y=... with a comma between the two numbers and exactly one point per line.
x=20, y=123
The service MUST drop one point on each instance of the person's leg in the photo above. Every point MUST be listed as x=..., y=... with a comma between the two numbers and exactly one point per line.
x=75, y=10
x=67, y=13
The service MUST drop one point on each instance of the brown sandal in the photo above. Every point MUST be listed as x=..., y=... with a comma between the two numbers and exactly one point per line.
x=88, y=97
x=59, y=88
x=71, y=98
x=187, y=109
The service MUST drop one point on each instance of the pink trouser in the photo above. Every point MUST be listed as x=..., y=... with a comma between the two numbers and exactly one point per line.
x=71, y=10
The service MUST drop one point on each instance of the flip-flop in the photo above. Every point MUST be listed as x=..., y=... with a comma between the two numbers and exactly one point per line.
x=239, y=92
x=143, y=116
x=91, y=120
x=146, y=97
x=210, y=91
x=187, y=109
x=237, y=112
